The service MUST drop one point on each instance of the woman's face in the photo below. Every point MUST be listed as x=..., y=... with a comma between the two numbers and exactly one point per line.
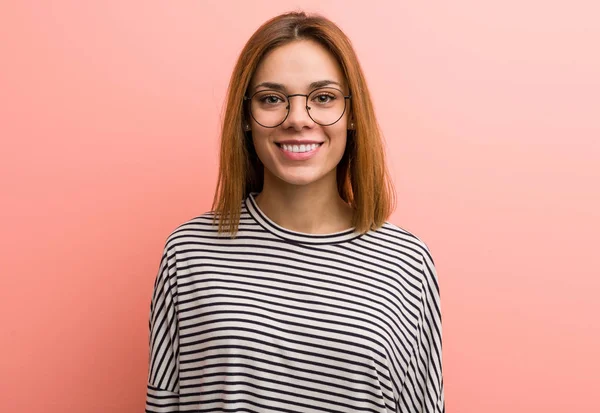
x=296, y=68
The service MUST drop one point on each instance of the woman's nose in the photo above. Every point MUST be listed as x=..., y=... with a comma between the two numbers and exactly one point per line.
x=298, y=113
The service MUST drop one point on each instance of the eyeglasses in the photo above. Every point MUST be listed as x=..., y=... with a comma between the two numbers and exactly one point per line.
x=270, y=108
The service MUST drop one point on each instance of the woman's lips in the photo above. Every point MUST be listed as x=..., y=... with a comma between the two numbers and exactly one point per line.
x=298, y=156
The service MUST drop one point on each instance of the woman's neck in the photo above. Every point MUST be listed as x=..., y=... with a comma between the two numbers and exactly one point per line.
x=313, y=209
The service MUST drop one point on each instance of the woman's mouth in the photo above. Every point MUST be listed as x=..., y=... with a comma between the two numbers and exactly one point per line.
x=299, y=148
x=301, y=152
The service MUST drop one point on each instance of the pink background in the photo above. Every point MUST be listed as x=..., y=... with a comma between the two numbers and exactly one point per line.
x=109, y=120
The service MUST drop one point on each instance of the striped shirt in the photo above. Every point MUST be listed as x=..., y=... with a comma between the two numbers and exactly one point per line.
x=277, y=321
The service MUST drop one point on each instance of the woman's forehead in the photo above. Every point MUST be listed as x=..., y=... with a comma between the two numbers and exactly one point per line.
x=301, y=64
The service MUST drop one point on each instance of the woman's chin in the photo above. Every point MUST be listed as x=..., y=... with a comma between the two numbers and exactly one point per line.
x=302, y=179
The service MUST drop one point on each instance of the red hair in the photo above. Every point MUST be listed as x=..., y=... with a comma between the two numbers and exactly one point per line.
x=363, y=180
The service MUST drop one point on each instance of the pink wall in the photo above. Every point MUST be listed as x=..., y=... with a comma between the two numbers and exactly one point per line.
x=109, y=124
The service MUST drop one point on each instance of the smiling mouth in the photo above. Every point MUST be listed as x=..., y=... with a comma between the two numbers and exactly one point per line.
x=299, y=148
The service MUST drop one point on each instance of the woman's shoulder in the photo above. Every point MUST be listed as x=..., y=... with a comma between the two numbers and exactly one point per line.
x=400, y=238
x=200, y=226
x=205, y=228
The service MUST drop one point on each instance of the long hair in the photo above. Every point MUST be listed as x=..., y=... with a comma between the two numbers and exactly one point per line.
x=363, y=180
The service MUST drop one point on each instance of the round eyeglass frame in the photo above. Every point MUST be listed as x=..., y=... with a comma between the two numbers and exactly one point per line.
x=289, y=105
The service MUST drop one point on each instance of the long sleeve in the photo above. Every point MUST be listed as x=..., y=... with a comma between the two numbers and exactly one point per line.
x=163, y=372
x=423, y=387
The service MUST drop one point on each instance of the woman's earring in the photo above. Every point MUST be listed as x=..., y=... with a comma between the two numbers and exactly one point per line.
x=351, y=125
x=246, y=127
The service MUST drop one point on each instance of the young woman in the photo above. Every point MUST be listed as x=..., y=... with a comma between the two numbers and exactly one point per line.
x=295, y=294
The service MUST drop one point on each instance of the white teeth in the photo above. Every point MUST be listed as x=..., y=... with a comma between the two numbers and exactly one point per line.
x=300, y=148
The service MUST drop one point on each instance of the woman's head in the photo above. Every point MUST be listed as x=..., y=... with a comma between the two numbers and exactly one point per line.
x=296, y=115
x=293, y=61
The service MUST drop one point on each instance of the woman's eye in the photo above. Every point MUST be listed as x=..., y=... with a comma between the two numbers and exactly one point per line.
x=324, y=98
x=271, y=99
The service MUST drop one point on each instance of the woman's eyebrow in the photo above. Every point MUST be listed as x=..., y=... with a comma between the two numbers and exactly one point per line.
x=313, y=85
x=323, y=83
x=271, y=85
